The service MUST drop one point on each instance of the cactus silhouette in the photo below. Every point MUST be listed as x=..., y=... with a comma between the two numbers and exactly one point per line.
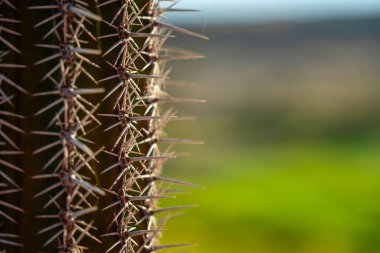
x=92, y=146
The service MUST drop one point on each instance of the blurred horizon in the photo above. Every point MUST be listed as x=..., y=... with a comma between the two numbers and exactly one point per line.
x=214, y=12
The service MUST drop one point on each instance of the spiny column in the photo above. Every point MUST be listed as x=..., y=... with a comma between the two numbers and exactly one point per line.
x=72, y=193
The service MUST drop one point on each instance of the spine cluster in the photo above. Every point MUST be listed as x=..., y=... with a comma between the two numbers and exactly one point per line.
x=8, y=129
x=72, y=193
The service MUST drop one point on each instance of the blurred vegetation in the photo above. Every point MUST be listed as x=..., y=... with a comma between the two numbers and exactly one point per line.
x=292, y=130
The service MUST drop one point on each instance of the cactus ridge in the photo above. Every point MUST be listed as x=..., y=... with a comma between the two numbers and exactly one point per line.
x=139, y=60
x=73, y=193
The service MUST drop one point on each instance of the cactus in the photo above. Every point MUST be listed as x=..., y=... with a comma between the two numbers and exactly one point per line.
x=85, y=177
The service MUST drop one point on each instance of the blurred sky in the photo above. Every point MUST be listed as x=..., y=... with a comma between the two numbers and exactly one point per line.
x=222, y=11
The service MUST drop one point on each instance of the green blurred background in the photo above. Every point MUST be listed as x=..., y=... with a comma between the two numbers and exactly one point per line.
x=292, y=130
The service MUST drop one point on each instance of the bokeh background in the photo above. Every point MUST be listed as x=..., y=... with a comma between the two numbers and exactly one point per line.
x=292, y=127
